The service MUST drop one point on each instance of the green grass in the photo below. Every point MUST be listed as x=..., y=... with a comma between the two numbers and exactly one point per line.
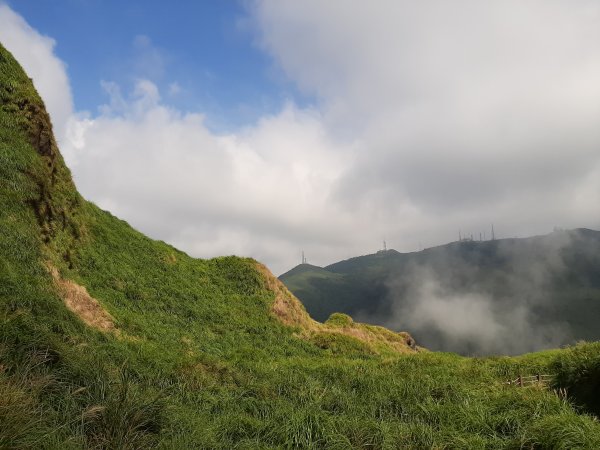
x=199, y=360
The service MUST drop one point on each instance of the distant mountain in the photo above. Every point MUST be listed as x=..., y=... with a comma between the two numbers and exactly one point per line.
x=472, y=297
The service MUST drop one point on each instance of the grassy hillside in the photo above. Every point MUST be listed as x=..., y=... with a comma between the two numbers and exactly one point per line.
x=111, y=340
x=549, y=285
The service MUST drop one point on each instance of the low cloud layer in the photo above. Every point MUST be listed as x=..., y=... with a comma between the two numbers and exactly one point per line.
x=472, y=321
x=429, y=117
x=501, y=298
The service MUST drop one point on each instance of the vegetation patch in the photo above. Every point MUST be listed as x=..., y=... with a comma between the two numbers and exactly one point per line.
x=577, y=371
x=340, y=320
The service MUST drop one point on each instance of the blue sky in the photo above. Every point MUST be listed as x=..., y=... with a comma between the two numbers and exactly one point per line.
x=203, y=55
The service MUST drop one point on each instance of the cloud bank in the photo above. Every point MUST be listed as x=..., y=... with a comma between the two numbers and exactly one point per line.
x=430, y=117
x=479, y=318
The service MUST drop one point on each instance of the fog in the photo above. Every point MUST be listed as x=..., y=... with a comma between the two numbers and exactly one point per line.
x=471, y=321
x=501, y=297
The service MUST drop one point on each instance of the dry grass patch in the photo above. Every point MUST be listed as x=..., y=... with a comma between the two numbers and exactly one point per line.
x=80, y=302
x=287, y=308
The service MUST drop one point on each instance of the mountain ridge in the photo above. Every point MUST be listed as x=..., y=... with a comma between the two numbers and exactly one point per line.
x=395, y=252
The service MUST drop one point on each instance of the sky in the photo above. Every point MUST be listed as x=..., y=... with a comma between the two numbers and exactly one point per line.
x=265, y=127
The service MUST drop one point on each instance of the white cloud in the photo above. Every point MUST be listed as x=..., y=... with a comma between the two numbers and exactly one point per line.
x=248, y=193
x=470, y=112
x=35, y=53
x=431, y=116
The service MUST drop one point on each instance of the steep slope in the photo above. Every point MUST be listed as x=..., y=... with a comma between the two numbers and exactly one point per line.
x=111, y=340
x=549, y=286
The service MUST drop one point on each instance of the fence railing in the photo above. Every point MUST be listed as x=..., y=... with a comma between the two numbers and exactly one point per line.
x=530, y=380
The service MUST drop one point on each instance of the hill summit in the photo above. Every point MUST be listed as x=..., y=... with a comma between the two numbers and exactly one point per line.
x=109, y=339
